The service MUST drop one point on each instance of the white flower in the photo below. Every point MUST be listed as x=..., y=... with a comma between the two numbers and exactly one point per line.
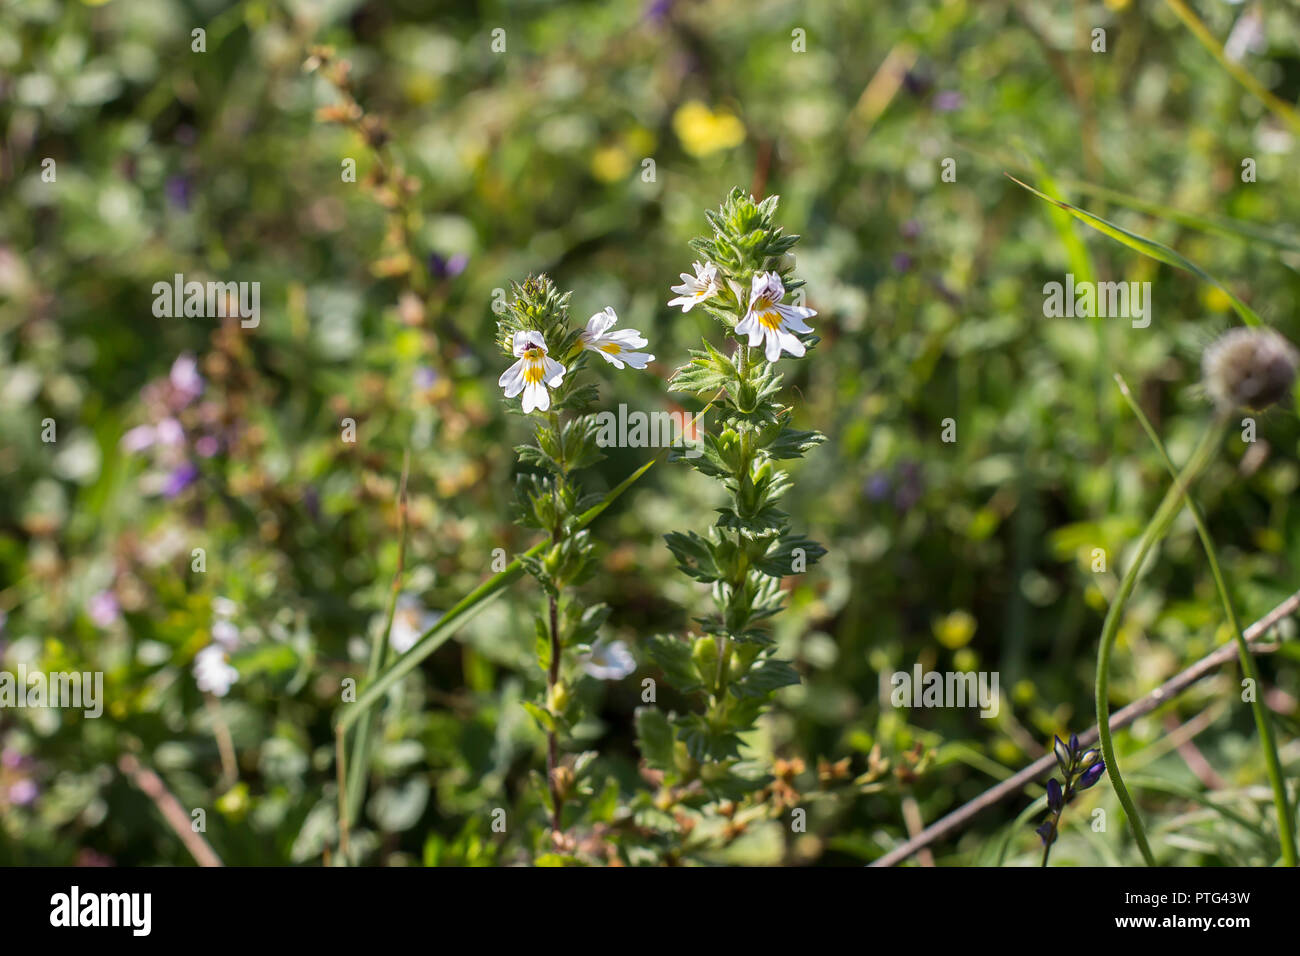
x=768, y=319
x=696, y=288
x=211, y=671
x=410, y=621
x=533, y=373
x=609, y=661
x=613, y=346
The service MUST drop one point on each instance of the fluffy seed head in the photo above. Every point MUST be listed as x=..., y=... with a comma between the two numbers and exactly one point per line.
x=1249, y=368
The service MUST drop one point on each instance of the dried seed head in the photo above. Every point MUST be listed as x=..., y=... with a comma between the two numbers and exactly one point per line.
x=1249, y=368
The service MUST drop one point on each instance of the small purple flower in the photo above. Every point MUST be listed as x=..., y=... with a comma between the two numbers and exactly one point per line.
x=10, y=759
x=948, y=100
x=449, y=268
x=1046, y=831
x=185, y=378
x=425, y=377
x=877, y=488
x=911, y=229
x=23, y=792
x=138, y=438
x=901, y=262
x=179, y=190
x=180, y=479
x=104, y=609
x=656, y=11
x=207, y=446
x=1092, y=775
x=1054, y=796
x=311, y=501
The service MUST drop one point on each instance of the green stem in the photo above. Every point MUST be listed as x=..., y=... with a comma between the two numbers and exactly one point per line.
x=1155, y=530
x=1263, y=724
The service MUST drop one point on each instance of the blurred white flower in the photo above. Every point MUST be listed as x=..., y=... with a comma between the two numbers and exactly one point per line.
x=212, y=672
x=609, y=661
x=410, y=620
x=613, y=346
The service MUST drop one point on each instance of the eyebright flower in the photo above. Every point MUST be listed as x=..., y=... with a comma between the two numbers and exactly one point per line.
x=768, y=319
x=1250, y=368
x=609, y=661
x=695, y=289
x=613, y=346
x=533, y=373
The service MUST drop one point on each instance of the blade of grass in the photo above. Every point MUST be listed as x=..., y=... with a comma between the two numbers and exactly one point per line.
x=1282, y=109
x=1147, y=247
x=361, y=744
x=1263, y=725
x=1155, y=532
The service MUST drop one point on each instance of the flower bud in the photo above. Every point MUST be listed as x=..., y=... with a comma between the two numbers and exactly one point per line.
x=1249, y=368
x=1091, y=775
x=1063, y=754
x=557, y=699
x=1054, y=796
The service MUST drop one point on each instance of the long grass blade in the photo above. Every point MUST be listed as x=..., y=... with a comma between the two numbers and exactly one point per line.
x=1147, y=247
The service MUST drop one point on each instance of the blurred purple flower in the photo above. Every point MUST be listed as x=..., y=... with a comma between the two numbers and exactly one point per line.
x=179, y=190
x=138, y=438
x=23, y=792
x=911, y=229
x=311, y=501
x=104, y=609
x=185, y=378
x=441, y=268
x=180, y=479
x=877, y=487
x=207, y=446
x=656, y=11
x=169, y=432
x=10, y=759
x=901, y=262
x=425, y=377
x=911, y=486
x=948, y=100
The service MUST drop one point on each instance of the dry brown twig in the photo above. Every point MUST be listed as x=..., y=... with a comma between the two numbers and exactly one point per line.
x=1121, y=718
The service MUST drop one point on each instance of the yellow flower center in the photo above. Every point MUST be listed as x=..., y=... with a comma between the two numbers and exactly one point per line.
x=534, y=365
x=767, y=317
x=613, y=348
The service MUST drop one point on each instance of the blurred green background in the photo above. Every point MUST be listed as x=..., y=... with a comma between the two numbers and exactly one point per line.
x=377, y=305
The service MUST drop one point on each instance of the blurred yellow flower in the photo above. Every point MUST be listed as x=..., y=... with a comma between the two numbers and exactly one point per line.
x=1215, y=299
x=955, y=630
x=610, y=163
x=703, y=131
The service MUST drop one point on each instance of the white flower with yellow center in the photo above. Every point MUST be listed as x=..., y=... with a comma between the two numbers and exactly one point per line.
x=767, y=319
x=533, y=374
x=616, y=348
x=695, y=289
